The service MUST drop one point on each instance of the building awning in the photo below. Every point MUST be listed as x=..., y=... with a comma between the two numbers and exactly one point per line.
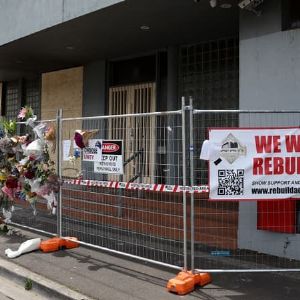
x=126, y=29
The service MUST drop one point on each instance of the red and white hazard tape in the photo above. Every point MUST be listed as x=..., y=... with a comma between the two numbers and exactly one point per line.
x=140, y=186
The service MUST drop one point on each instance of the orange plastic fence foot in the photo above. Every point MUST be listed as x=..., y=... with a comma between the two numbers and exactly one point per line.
x=203, y=279
x=185, y=282
x=55, y=244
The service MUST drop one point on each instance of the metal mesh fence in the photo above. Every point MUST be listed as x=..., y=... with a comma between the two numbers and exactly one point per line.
x=228, y=234
x=127, y=212
x=143, y=212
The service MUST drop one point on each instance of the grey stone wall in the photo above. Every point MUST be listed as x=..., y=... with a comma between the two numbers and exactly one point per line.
x=269, y=79
x=94, y=89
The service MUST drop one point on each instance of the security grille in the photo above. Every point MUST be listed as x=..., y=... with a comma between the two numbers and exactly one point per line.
x=209, y=72
x=12, y=99
x=21, y=93
x=32, y=95
x=139, y=133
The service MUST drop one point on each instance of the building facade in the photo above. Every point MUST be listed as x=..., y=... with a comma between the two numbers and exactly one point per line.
x=78, y=55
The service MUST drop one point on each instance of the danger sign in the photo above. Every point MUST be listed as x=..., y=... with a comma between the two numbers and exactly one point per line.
x=111, y=161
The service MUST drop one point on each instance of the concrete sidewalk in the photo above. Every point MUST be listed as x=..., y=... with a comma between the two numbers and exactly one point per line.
x=90, y=274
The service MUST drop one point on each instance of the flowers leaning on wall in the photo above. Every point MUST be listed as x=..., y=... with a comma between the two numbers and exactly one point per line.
x=26, y=171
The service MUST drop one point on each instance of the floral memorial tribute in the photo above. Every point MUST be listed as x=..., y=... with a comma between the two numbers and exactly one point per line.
x=26, y=171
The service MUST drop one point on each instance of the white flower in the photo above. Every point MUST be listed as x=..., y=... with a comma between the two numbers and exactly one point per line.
x=72, y=159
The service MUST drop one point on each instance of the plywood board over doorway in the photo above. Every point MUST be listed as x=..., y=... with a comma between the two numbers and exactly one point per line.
x=137, y=132
x=64, y=89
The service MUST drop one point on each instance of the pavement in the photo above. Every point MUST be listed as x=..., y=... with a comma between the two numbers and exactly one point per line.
x=12, y=290
x=84, y=273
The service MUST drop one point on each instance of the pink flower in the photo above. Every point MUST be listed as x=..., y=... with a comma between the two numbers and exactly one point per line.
x=32, y=157
x=8, y=191
x=22, y=113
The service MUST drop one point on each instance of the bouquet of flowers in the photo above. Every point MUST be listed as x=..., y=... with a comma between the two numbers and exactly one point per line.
x=26, y=114
x=9, y=127
x=26, y=170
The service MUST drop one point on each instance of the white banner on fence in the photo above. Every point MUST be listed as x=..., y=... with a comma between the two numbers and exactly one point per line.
x=111, y=161
x=246, y=164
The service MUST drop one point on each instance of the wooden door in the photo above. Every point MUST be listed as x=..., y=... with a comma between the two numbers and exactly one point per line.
x=138, y=132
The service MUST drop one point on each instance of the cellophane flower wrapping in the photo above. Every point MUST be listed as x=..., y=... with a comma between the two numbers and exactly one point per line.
x=26, y=171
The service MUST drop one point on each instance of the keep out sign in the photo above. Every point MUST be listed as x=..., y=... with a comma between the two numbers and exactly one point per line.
x=111, y=161
x=254, y=163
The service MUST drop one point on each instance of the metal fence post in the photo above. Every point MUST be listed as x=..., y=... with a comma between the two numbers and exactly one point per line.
x=58, y=169
x=184, y=183
x=191, y=149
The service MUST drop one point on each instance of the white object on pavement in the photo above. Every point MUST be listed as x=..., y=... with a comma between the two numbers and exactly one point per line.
x=28, y=246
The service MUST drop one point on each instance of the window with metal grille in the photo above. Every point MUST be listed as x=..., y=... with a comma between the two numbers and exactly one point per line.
x=11, y=99
x=209, y=73
x=32, y=95
x=19, y=93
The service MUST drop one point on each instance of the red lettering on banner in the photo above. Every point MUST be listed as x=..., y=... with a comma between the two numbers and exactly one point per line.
x=263, y=144
x=276, y=165
x=257, y=166
x=276, y=144
x=290, y=165
x=292, y=143
x=268, y=166
x=268, y=144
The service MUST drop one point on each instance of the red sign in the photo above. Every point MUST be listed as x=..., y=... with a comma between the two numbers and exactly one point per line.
x=110, y=147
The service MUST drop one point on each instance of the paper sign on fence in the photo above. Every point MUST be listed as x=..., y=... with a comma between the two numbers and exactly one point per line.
x=94, y=150
x=66, y=149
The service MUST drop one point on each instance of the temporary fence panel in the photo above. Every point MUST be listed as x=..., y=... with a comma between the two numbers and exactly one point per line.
x=35, y=215
x=150, y=200
x=243, y=235
x=141, y=216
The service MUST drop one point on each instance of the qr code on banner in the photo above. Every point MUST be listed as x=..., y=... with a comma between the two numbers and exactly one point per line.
x=230, y=182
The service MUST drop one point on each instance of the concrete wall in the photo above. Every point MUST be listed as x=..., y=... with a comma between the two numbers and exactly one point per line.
x=269, y=61
x=14, y=21
x=94, y=89
x=269, y=79
x=94, y=104
x=1, y=92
